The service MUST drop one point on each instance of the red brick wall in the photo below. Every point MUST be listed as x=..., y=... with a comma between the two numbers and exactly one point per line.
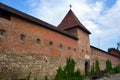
x=21, y=57
x=102, y=57
x=16, y=26
x=84, y=43
x=61, y=47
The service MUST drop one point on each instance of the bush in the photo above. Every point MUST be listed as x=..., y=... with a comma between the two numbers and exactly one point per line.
x=97, y=68
x=68, y=72
x=93, y=69
x=46, y=78
x=109, y=68
x=117, y=69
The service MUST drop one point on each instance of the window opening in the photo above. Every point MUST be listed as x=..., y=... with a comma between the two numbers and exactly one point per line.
x=50, y=43
x=22, y=37
x=2, y=33
x=38, y=41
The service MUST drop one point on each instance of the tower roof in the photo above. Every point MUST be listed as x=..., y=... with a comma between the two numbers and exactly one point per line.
x=71, y=21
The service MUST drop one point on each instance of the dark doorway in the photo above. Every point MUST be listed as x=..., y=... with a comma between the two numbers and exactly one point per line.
x=87, y=66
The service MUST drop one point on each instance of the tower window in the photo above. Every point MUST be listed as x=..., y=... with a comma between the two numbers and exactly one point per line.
x=2, y=33
x=4, y=14
x=22, y=37
x=37, y=41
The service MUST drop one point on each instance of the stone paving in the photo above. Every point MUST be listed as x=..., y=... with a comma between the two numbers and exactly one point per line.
x=113, y=77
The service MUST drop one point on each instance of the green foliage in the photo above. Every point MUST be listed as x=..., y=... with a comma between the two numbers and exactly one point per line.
x=109, y=68
x=111, y=49
x=69, y=68
x=97, y=68
x=117, y=69
x=77, y=73
x=115, y=49
x=68, y=72
x=60, y=73
x=46, y=78
x=118, y=45
x=93, y=68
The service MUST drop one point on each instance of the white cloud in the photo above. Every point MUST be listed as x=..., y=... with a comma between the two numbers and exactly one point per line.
x=90, y=13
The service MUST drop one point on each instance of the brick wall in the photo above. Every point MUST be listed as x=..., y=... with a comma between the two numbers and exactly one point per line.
x=27, y=47
x=102, y=57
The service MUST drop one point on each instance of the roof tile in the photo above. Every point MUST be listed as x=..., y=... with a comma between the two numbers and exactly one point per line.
x=70, y=21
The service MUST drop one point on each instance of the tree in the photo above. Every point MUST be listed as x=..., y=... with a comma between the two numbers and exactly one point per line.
x=111, y=49
x=115, y=49
x=109, y=68
x=118, y=45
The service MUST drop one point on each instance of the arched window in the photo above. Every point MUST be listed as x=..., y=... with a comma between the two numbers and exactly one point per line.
x=2, y=33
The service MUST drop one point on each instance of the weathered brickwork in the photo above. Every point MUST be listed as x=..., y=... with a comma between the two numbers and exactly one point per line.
x=24, y=55
x=15, y=66
x=16, y=27
x=27, y=46
x=102, y=56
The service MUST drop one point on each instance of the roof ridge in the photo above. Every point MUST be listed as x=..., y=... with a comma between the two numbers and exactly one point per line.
x=70, y=21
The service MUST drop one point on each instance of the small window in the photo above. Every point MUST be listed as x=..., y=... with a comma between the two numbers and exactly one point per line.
x=74, y=49
x=61, y=46
x=4, y=14
x=86, y=51
x=51, y=44
x=82, y=50
x=69, y=48
x=37, y=41
x=22, y=37
x=2, y=33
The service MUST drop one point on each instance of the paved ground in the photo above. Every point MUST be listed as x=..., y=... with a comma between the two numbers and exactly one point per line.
x=114, y=77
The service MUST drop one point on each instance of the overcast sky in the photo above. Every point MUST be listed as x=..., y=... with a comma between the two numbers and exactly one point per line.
x=100, y=17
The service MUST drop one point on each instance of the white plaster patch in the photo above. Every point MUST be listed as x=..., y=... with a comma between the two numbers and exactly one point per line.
x=87, y=56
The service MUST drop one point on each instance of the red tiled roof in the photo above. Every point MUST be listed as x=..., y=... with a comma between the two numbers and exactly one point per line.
x=115, y=53
x=70, y=21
